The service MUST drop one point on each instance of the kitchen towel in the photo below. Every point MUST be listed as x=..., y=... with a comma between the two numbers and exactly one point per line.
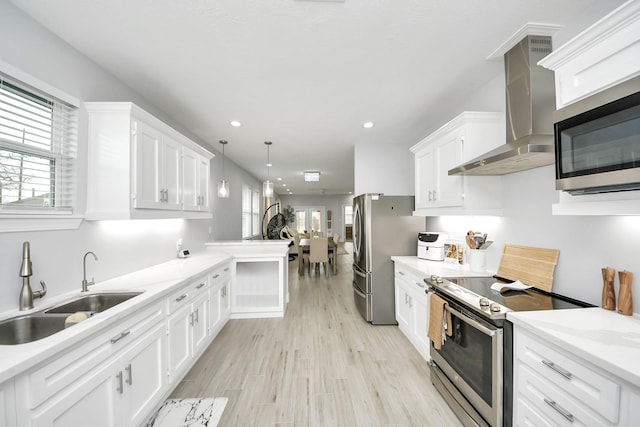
x=204, y=412
x=439, y=321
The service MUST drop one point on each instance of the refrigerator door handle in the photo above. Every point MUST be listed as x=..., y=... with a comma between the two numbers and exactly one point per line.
x=358, y=271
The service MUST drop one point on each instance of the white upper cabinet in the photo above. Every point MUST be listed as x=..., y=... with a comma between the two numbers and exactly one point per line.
x=602, y=56
x=138, y=167
x=196, y=181
x=466, y=136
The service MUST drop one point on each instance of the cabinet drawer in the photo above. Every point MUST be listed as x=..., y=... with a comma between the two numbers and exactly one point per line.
x=526, y=415
x=575, y=379
x=219, y=274
x=56, y=375
x=553, y=403
x=185, y=294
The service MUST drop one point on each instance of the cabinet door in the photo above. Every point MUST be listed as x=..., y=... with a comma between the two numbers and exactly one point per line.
x=145, y=376
x=7, y=404
x=424, y=178
x=403, y=307
x=191, y=177
x=419, y=324
x=149, y=191
x=215, y=314
x=170, y=169
x=93, y=400
x=203, y=183
x=180, y=351
x=225, y=299
x=199, y=322
x=448, y=154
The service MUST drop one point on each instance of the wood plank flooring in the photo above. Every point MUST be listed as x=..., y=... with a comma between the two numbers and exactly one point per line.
x=321, y=365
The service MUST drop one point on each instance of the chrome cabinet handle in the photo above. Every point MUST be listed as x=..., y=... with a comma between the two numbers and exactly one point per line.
x=558, y=369
x=559, y=409
x=226, y=269
x=421, y=285
x=224, y=291
x=181, y=297
x=119, y=337
x=429, y=199
x=191, y=319
x=200, y=286
x=120, y=388
x=401, y=273
x=406, y=298
x=197, y=320
x=434, y=196
x=129, y=375
x=166, y=195
x=410, y=302
x=216, y=276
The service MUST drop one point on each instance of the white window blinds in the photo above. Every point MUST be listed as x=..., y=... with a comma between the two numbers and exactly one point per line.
x=38, y=141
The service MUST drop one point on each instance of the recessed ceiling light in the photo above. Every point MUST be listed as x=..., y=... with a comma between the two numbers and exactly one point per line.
x=284, y=185
x=312, y=176
x=368, y=125
x=279, y=179
x=235, y=123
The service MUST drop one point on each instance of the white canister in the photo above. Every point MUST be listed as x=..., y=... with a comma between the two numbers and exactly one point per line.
x=477, y=260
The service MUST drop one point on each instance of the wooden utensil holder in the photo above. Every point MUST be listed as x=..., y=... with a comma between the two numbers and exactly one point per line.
x=608, y=291
x=625, y=300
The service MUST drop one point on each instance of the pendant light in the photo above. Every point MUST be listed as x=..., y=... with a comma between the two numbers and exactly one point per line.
x=267, y=186
x=223, y=184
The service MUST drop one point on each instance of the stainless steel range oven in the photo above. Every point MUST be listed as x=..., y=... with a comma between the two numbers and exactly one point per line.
x=473, y=369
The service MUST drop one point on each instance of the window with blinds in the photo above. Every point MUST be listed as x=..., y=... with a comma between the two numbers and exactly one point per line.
x=250, y=212
x=38, y=141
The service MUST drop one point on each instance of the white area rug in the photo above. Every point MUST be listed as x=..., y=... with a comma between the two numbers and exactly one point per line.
x=189, y=413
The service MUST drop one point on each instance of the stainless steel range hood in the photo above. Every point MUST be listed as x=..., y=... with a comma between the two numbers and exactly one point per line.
x=530, y=103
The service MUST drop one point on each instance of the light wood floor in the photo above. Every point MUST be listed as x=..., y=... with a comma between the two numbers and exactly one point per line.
x=321, y=365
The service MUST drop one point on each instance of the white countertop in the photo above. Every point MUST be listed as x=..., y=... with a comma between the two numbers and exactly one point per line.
x=156, y=282
x=426, y=268
x=604, y=338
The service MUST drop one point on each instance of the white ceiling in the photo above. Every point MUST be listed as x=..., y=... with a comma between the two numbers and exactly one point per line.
x=304, y=74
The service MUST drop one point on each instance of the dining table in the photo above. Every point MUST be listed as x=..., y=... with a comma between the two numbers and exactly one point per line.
x=305, y=245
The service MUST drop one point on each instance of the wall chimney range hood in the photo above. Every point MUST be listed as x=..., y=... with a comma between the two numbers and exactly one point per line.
x=530, y=103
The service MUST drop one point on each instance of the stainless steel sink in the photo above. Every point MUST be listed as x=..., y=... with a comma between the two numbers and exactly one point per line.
x=24, y=329
x=94, y=303
x=35, y=326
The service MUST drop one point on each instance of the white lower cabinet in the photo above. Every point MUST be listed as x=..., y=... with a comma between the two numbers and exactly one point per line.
x=555, y=387
x=7, y=404
x=412, y=309
x=187, y=326
x=220, y=282
x=119, y=391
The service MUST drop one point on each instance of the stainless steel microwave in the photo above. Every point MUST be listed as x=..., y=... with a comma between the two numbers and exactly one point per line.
x=597, y=142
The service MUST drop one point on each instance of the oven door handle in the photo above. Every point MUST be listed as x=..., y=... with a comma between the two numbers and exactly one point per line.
x=474, y=323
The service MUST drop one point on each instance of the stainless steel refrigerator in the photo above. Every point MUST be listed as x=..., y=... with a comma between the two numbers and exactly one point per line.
x=383, y=226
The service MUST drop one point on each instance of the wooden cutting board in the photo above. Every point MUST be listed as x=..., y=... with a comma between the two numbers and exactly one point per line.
x=532, y=266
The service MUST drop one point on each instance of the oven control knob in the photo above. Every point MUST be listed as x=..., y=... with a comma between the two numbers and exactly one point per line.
x=484, y=302
x=495, y=308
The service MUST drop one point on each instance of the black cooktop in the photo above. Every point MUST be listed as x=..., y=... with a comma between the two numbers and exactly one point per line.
x=528, y=300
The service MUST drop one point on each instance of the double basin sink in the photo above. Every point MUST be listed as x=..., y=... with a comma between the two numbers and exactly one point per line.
x=35, y=326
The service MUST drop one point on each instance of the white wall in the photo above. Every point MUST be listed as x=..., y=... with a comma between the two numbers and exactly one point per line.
x=383, y=168
x=120, y=246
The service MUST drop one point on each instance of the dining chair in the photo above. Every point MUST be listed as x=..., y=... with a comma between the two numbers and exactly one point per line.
x=319, y=253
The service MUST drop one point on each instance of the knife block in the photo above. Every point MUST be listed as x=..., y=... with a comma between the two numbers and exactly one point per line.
x=608, y=291
x=625, y=301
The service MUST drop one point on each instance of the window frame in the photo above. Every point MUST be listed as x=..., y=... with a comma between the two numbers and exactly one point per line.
x=250, y=213
x=24, y=219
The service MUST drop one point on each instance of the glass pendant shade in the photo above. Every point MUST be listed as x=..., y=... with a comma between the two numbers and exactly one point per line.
x=267, y=188
x=223, y=189
x=223, y=184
